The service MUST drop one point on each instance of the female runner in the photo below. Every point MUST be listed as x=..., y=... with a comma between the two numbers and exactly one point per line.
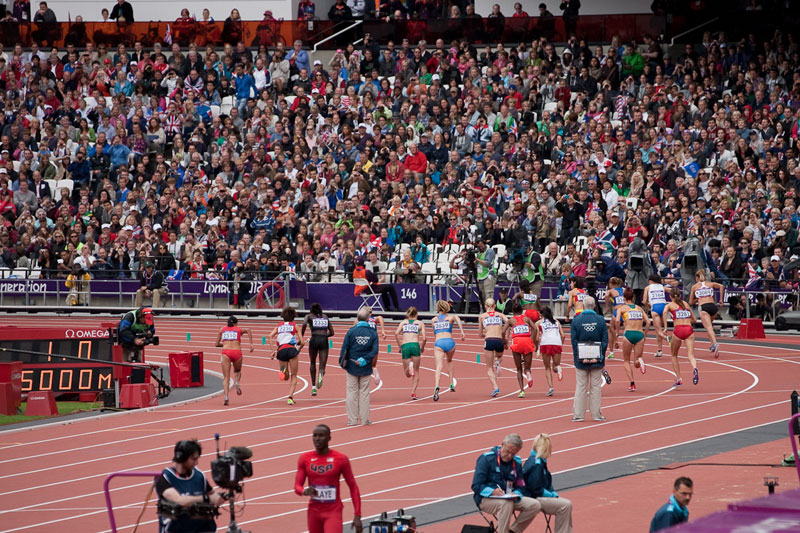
x=636, y=324
x=412, y=344
x=656, y=297
x=615, y=301
x=702, y=294
x=551, y=340
x=230, y=339
x=529, y=301
x=682, y=320
x=575, y=296
x=374, y=322
x=490, y=327
x=288, y=346
x=444, y=346
x=521, y=344
x=321, y=331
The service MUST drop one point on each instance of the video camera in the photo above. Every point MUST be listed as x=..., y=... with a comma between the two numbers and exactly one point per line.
x=229, y=469
x=148, y=340
x=470, y=259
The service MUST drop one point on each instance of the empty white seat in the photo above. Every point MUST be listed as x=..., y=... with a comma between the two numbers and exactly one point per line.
x=215, y=110
x=551, y=106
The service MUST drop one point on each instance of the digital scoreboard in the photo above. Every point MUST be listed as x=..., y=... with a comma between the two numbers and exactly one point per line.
x=48, y=372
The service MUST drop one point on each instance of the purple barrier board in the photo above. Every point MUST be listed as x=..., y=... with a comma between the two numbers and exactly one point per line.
x=780, y=503
x=340, y=296
x=742, y=522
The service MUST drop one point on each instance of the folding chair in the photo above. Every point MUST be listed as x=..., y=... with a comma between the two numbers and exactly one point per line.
x=369, y=297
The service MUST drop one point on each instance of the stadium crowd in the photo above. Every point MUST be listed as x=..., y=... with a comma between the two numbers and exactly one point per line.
x=309, y=166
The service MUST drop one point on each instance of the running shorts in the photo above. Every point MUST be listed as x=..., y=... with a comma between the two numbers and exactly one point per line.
x=523, y=345
x=233, y=355
x=329, y=521
x=287, y=354
x=683, y=331
x=410, y=349
x=659, y=308
x=445, y=344
x=710, y=308
x=634, y=336
x=494, y=345
x=533, y=314
x=550, y=349
x=318, y=343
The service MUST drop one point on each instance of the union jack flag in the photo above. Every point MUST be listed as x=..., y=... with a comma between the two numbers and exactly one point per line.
x=607, y=242
x=754, y=279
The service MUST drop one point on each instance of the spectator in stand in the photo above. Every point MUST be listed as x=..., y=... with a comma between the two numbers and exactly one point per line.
x=153, y=285
x=122, y=11
x=340, y=11
x=570, y=9
x=306, y=10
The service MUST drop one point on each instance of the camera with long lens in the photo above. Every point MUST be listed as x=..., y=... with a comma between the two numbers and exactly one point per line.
x=149, y=340
x=470, y=259
x=231, y=468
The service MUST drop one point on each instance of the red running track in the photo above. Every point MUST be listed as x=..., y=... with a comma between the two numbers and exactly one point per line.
x=415, y=452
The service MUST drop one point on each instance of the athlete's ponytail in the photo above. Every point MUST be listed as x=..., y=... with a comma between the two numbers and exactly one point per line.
x=232, y=321
x=675, y=295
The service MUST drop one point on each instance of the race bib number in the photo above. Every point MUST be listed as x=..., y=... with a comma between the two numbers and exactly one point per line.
x=529, y=297
x=286, y=328
x=410, y=328
x=703, y=293
x=441, y=326
x=657, y=295
x=682, y=313
x=635, y=315
x=492, y=321
x=230, y=336
x=580, y=296
x=521, y=330
x=324, y=494
x=319, y=322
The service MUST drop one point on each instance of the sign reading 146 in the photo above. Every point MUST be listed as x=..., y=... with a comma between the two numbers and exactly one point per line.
x=408, y=294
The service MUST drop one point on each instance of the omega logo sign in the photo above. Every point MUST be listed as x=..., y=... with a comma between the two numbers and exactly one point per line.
x=86, y=333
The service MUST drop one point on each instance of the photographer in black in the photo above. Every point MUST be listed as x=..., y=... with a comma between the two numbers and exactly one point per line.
x=240, y=278
x=136, y=330
x=187, y=503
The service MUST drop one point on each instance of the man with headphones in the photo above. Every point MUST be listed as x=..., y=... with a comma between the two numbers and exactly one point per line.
x=134, y=329
x=184, y=484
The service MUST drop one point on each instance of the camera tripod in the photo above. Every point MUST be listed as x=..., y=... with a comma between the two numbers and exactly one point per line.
x=230, y=496
x=471, y=287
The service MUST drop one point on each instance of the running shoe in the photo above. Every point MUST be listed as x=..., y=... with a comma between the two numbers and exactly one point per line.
x=282, y=374
x=436, y=394
x=495, y=392
x=414, y=396
x=497, y=367
x=606, y=377
x=576, y=419
x=290, y=401
x=715, y=349
x=678, y=382
x=601, y=419
x=560, y=373
x=550, y=392
x=632, y=388
x=226, y=401
x=411, y=369
x=521, y=394
x=659, y=353
x=695, y=377
x=530, y=379
x=376, y=377
x=313, y=391
x=319, y=380
x=642, y=367
x=452, y=387
x=238, y=390
x=610, y=355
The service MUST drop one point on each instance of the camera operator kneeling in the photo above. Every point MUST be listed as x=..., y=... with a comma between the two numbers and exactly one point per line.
x=136, y=330
x=186, y=501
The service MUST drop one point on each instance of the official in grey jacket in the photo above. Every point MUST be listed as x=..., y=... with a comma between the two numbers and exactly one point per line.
x=589, y=327
x=359, y=348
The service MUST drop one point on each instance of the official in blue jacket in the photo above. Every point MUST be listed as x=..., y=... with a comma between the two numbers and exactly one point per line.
x=539, y=484
x=589, y=335
x=498, y=485
x=359, y=348
x=676, y=510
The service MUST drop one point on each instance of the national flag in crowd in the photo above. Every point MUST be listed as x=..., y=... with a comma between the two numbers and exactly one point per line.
x=753, y=277
x=692, y=169
x=607, y=241
x=168, y=35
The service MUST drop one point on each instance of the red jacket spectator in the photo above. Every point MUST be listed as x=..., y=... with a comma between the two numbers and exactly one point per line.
x=415, y=161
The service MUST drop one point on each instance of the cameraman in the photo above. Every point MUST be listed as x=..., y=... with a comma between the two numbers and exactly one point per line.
x=240, y=278
x=485, y=273
x=136, y=329
x=185, y=485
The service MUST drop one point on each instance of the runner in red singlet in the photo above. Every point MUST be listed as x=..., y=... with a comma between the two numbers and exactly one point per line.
x=682, y=331
x=323, y=468
x=230, y=340
x=522, y=348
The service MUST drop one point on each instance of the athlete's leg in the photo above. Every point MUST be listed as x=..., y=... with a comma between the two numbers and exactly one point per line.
x=490, y=368
x=414, y=362
x=627, y=348
x=675, y=347
x=312, y=367
x=322, y=353
x=708, y=324
x=292, y=365
x=438, y=356
x=237, y=374
x=518, y=364
x=226, y=375
x=451, y=367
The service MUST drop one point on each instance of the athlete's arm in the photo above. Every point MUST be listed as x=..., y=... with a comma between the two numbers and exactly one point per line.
x=330, y=328
x=665, y=314
x=303, y=328
x=270, y=339
x=646, y=295
x=299, y=340
x=300, y=478
x=691, y=295
x=250, y=336
x=355, y=495
x=379, y=321
x=218, y=344
x=480, y=326
x=646, y=321
x=423, y=337
x=460, y=327
x=397, y=332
